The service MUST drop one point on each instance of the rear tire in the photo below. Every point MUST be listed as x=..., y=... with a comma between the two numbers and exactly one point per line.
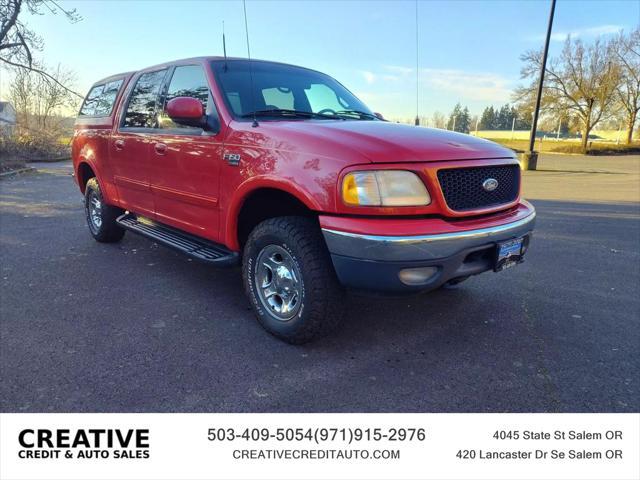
x=101, y=217
x=290, y=280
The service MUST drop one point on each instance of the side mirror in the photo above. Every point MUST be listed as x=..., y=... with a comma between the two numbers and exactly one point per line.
x=379, y=115
x=187, y=111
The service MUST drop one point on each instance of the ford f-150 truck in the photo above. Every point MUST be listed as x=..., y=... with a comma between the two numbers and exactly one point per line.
x=282, y=170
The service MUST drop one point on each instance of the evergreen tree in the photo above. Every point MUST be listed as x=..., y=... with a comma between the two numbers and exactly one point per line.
x=459, y=120
x=505, y=117
x=452, y=124
x=487, y=119
x=464, y=121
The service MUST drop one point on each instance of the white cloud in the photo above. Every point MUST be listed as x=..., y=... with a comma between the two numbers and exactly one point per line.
x=373, y=98
x=392, y=89
x=369, y=77
x=399, y=70
x=589, y=32
x=481, y=86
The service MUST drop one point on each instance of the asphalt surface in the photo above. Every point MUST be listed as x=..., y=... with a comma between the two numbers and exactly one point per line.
x=135, y=327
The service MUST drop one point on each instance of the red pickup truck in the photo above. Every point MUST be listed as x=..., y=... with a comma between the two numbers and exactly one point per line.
x=282, y=170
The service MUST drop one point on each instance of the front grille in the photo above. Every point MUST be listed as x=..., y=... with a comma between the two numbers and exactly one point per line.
x=462, y=187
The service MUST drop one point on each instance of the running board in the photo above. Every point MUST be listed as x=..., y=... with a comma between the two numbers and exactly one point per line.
x=195, y=247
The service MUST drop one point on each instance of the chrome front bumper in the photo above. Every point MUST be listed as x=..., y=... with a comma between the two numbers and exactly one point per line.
x=423, y=247
x=373, y=262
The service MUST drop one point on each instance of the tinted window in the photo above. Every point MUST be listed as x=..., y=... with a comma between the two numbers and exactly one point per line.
x=234, y=100
x=141, y=111
x=283, y=87
x=105, y=102
x=278, y=97
x=89, y=105
x=320, y=96
x=187, y=81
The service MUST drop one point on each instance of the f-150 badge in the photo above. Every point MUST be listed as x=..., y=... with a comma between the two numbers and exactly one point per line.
x=232, y=158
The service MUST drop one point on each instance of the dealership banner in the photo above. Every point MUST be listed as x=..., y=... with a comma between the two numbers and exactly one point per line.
x=319, y=446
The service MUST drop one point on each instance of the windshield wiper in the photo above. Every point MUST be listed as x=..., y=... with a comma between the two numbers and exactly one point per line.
x=360, y=113
x=286, y=112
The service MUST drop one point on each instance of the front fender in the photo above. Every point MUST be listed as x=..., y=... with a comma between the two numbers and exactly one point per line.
x=254, y=184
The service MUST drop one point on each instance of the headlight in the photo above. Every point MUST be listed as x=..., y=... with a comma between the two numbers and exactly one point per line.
x=386, y=188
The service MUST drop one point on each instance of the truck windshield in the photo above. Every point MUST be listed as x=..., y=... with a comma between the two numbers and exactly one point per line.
x=285, y=91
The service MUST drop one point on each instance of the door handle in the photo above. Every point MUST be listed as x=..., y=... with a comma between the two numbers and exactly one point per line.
x=119, y=144
x=160, y=148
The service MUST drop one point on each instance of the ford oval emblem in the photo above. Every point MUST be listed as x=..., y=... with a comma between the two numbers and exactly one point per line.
x=490, y=184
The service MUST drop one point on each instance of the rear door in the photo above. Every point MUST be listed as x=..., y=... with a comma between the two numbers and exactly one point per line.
x=130, y=144
x=186, y=160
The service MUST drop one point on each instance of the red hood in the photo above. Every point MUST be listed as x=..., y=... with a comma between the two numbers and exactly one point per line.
x=384, y=142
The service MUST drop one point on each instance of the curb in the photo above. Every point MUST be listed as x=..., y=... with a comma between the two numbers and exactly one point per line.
x=19, y=171
x=49, y=160
x=561, y=153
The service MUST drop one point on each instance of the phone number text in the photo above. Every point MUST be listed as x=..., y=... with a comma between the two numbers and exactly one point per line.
x=317, y=435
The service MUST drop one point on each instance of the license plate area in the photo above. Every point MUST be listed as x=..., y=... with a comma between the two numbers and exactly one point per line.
x=510, y=252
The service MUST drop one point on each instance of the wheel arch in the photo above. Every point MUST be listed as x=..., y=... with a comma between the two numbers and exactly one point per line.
x=258, y=202
x=86, y=169
x=84, y=172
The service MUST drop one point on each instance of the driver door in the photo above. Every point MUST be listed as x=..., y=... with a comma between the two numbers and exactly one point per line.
x=186, y=160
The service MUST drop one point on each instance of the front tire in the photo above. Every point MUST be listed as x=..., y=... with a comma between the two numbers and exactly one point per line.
x=290, y=280
x=101, y=217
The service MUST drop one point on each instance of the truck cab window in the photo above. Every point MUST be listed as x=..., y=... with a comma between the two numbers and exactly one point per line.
x=89, y=105
x=257, y=86
x=186, y=81
x=142, y=108
x=278, y=97
x=105, y=102
x=320, y=96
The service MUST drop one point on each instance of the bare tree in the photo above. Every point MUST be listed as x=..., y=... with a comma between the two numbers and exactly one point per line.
x=627, y=54
x=582, y=80
x=18, y=42
x=38, y=101
x=439, y=120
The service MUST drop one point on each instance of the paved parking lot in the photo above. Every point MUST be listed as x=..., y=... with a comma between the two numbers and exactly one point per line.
x=135, y=327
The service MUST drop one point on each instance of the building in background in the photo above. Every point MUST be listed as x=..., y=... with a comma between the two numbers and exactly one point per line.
x=7, y=119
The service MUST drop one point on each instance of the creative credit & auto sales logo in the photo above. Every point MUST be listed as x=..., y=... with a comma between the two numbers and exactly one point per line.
x=81, y=443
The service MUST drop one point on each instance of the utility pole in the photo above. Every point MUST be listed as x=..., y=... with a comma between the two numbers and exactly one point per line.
x=531, y=157
x=453, y=128
x=477, y=122
x=559, y=124
x=513, y=126
x=417, y=72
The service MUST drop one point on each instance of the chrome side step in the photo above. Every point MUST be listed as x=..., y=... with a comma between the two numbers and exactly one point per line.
x=195, y=247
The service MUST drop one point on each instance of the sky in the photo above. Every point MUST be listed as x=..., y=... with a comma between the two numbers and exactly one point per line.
x=468, y=51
